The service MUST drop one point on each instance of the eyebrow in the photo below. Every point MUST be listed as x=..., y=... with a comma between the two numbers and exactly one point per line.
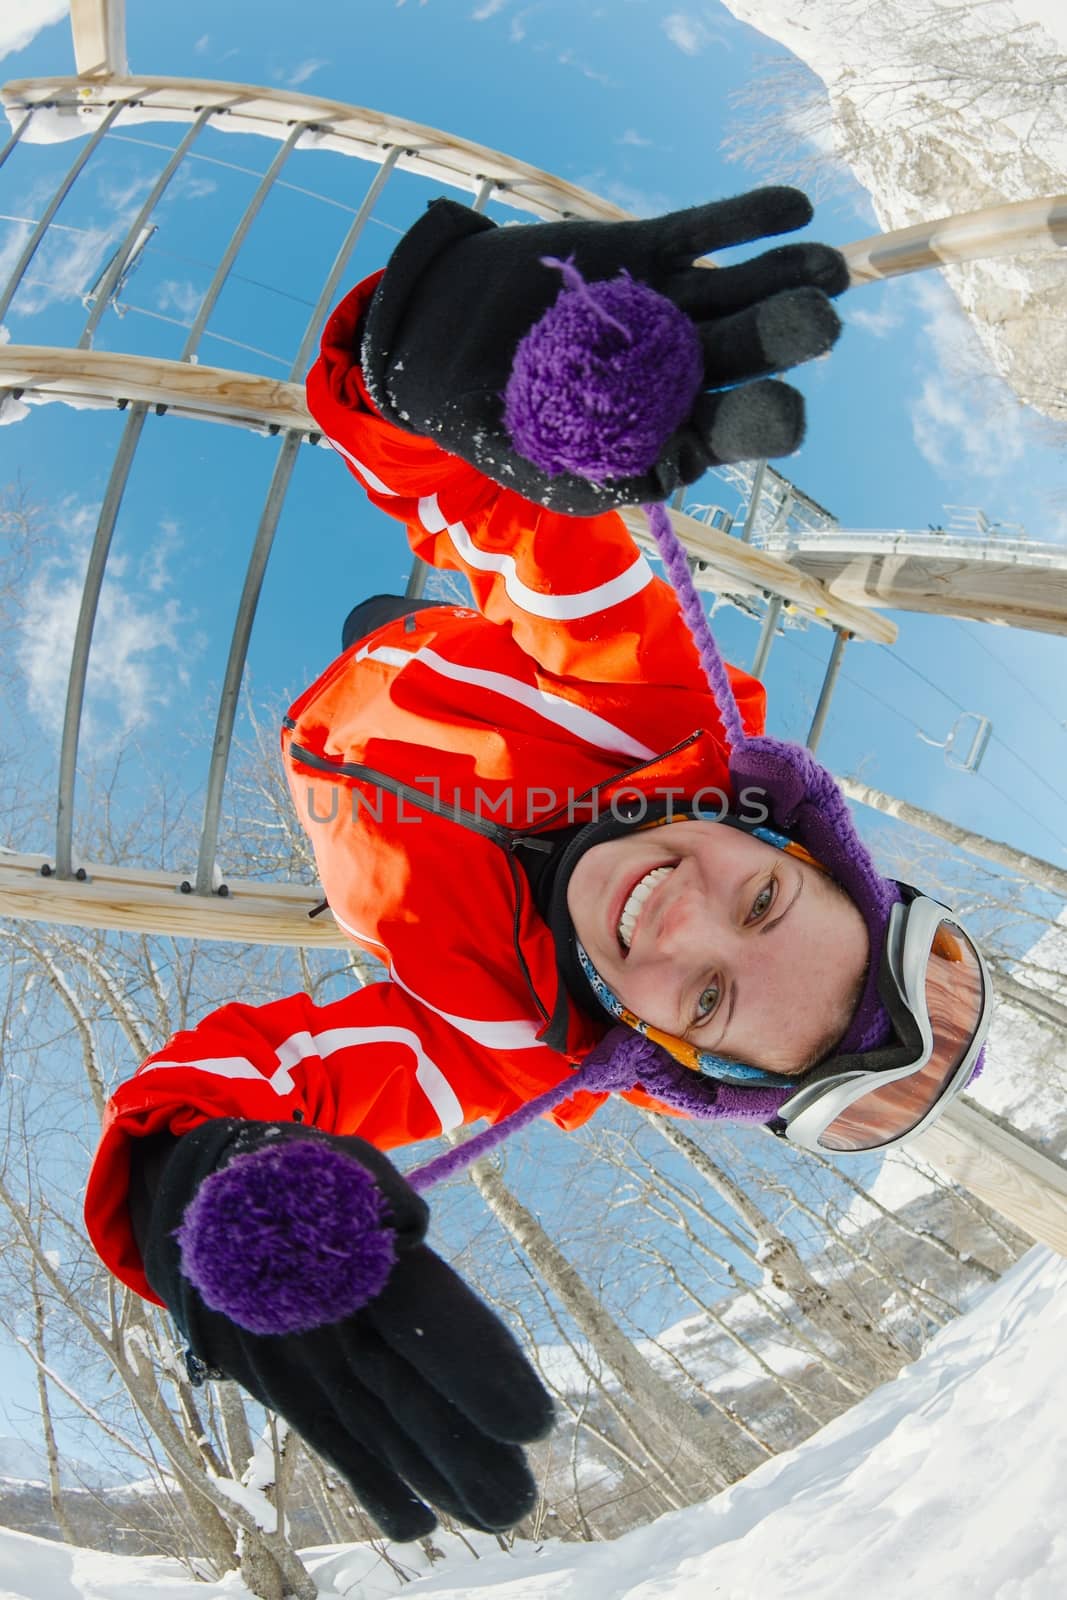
x=767, y=928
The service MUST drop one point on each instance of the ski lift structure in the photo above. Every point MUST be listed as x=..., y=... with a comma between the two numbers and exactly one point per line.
x=202, y=900
x=965, y=743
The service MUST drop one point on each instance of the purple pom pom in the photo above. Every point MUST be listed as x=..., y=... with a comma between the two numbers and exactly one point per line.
x=602, y=381
x=288, y=1238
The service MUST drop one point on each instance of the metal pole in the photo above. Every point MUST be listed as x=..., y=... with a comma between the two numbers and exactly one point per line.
x=329, y=291
x=415, y=587
x=222, y=271
x=753, y=501
x=261, y=548
x=235, y=665
x=114, y=272
x=16, y=136
x=83, y=634
x=481, y=199
x=766, y=638
x=833, y=667
x=32, y=243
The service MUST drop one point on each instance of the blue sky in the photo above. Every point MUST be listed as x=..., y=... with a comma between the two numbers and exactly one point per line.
x=631, y=98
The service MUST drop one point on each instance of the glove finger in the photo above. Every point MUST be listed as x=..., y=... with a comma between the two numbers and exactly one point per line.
x=703, y=293
x=284, y=1375
x=427, y=1314
x=395, y=1507
x=791, y=327
x=758, y=420
x=431, y=1444
x=681, y=236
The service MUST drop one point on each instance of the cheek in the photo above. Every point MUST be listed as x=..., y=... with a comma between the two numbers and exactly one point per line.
x=649, y=994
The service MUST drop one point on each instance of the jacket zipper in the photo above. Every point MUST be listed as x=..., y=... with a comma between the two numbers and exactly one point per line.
x=507, y=839
x=620, y=777
x=404, y=791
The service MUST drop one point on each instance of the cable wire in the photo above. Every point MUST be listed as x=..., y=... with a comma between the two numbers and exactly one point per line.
x=887, y=705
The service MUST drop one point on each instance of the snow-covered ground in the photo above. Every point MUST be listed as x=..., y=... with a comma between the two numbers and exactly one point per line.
x=940, y=108
x=948, y=1481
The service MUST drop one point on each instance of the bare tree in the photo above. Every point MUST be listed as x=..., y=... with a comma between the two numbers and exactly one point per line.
x=671, y=1432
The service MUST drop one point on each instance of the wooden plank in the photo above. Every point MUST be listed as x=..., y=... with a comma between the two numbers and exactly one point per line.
x=130, y=900
x=350, y=130
x=99, y=29
x=980, y=586
x=1025, y=1186
x=214, y=393
x=999, y=230
x=734, y=564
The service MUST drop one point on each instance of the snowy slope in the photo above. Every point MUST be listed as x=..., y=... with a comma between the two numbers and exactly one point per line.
x=948, y=1481
x=940, y=108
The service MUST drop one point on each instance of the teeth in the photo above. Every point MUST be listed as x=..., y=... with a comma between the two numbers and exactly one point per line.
x=638, y=895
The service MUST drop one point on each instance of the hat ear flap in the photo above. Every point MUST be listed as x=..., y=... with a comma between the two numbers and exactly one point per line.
x=784, y=774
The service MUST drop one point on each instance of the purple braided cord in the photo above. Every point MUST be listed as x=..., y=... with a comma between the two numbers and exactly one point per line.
x=609, y=1077
x=677, y=565
x=573, y=280
x=622, y=1060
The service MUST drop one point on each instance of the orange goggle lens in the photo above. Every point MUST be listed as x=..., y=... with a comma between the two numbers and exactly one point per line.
x=955, y=997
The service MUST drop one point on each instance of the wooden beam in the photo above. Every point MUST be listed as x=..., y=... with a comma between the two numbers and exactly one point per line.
x=1001, y=230
x=99, y=29
x=217, y=394
x=996, y=582
x=350, y=130
x=130, y=900
x=734, y=565
x=1027, y=1187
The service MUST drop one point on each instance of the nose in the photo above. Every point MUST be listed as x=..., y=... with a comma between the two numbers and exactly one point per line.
x=685, y=920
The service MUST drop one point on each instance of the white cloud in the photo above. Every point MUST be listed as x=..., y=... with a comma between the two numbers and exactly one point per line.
x=121, y=198
x=487, y=10
x=153, y=569
x=692, y=34
x=21, y=21
x=567, y=58
x=688, y=33
x=631, y=136
x=965, y=414
x=202, y=44
x=137, y=636
x=641, y=202
x=189, y=184
x=880, y=324
x=304, y=71
x=63, y=268
x=178, y=294
x=70, y=258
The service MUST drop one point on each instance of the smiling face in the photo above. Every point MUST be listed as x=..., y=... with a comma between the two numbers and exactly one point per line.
x=711, y=935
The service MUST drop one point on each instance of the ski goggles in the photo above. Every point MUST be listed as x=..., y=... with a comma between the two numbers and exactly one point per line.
x=936, y=989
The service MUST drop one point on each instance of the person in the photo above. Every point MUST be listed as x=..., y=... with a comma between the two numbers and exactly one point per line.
x=512, y=806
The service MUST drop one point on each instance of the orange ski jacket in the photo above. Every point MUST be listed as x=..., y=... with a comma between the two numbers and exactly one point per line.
x=416, y=763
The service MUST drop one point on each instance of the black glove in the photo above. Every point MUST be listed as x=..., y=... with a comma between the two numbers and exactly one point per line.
x=421, y=1393
x=459, y=294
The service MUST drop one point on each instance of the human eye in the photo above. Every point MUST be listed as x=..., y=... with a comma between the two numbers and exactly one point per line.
x=764, y=900
x=707, y=1002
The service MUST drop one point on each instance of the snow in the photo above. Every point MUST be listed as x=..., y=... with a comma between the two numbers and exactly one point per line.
x=947, y=1481
x=20, y=22
x=940, y=109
